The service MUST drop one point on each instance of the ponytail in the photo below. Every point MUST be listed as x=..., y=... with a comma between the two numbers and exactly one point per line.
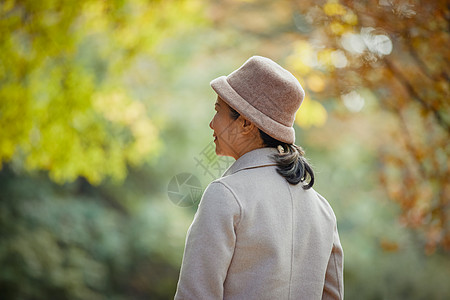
x=291, y=163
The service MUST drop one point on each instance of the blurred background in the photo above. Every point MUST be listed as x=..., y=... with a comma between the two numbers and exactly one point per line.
x=103, y=103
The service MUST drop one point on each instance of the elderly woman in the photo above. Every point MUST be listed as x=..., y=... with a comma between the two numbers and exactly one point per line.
x=261, y=231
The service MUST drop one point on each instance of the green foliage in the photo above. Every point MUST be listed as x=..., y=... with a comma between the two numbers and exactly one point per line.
x=67, y=243
x=62, y=91
x=73, y=104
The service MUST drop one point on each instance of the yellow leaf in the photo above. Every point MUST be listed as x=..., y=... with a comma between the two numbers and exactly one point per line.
x=311, y=113
x=350, y=18
x=315, y=82
x=325, y=58
x=303, y=58
x=333, y=7
x=337, y=28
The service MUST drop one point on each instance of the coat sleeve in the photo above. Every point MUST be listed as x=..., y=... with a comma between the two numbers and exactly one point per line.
x=334, y=277
x=209, y=245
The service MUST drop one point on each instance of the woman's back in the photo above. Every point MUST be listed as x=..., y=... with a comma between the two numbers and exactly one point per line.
x=270, y=239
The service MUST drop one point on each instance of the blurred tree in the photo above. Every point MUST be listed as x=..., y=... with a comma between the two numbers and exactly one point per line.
x=64, y=106
x=397, y=52
x=70, y=105
x=75, y=241
x=390, y=57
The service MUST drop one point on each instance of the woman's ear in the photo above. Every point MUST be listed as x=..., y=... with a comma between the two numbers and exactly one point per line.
x=247, y=126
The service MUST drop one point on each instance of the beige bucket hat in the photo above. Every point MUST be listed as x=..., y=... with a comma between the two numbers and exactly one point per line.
x=264, y=93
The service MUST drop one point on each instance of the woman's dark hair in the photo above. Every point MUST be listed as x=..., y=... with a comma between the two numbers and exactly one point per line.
x=291, y=164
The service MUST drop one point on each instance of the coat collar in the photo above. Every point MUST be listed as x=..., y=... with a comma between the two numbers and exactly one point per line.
x=256, y=158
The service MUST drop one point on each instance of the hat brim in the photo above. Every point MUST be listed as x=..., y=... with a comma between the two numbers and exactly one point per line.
x=268, y=125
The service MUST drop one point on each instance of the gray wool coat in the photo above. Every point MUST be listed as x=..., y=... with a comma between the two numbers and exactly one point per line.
x=255, y=236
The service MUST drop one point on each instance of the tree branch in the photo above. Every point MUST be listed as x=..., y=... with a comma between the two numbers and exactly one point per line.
x=414, y=95
x=422, y=65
